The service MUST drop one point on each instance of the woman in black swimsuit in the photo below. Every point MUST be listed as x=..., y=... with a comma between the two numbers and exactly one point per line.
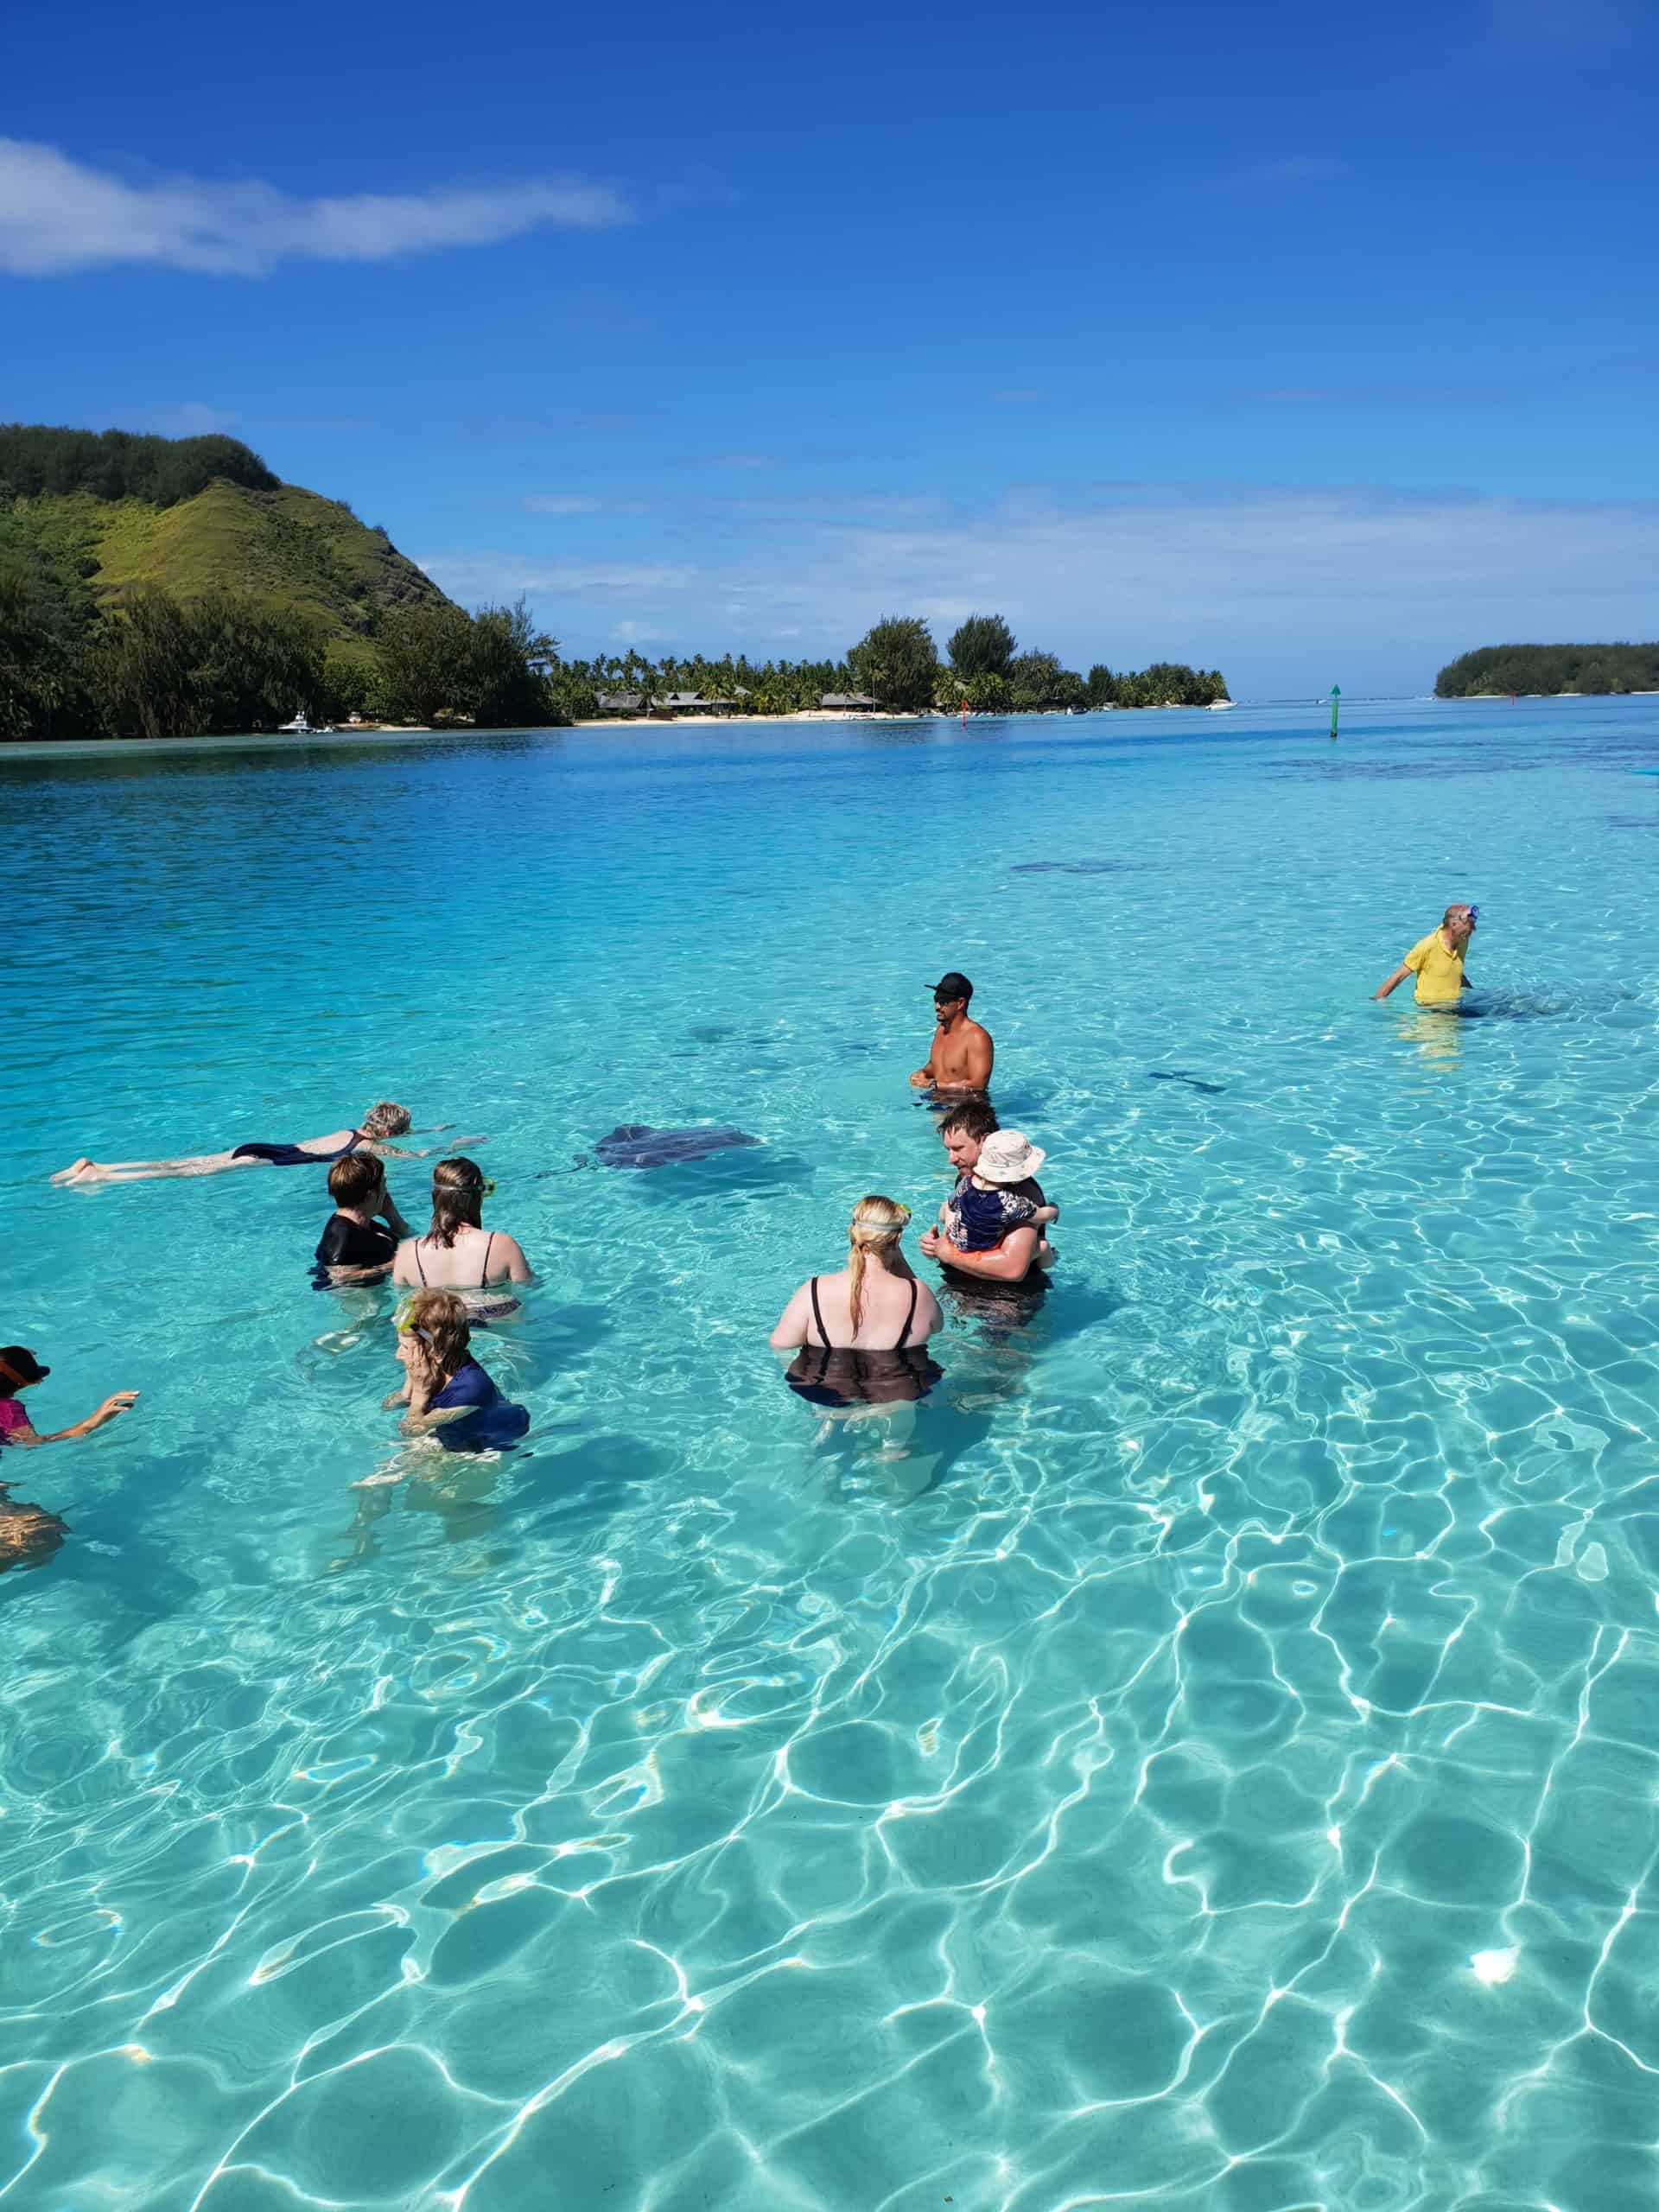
x=457, y=1253
x=861, y=1336
x=380, y=1123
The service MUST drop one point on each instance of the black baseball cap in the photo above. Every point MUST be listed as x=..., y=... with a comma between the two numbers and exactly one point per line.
x=952, y=985
x=18, y=1365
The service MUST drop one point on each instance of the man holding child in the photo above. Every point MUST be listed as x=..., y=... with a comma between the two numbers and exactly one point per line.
x=995, y=1177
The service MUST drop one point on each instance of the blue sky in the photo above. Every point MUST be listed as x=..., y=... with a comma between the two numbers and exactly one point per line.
x=1314, y=344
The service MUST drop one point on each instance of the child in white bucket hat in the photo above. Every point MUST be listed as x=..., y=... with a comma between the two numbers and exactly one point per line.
x=981, y=1213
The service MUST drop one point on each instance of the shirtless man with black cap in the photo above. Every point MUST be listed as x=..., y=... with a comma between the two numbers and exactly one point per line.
x=962, y=1052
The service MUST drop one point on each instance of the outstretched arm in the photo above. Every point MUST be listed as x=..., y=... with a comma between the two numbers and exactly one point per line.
x=116, y=1402
x=1394, y=982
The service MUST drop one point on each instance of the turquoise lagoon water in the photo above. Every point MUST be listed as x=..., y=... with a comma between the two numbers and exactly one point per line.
x=1209, y=1763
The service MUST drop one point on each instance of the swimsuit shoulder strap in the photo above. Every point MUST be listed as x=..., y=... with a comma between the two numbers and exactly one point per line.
x=419, y=1269
x=824, y=1333
x=904, y=1332
x=484, y=1272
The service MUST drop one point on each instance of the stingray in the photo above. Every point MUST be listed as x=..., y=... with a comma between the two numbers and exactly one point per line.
x=636, y=1144
x=1180, y=1074
x=1071, y=868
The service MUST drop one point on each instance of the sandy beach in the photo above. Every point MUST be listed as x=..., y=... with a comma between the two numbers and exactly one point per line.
x=806, y=714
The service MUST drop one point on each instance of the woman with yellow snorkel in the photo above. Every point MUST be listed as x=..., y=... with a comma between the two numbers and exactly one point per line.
x=457, y=1253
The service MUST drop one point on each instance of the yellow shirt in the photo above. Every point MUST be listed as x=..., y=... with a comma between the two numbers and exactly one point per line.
x=1439, y=973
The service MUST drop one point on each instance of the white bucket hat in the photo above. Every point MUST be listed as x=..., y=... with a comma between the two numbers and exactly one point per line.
x=1007, y=1156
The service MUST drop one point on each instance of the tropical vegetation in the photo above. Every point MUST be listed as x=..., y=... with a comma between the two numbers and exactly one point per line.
x=896, y=663
x=155, y=587
x=158, y=586
x=1593, y=670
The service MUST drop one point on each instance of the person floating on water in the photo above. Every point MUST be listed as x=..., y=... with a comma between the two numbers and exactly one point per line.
x=449, y=1394
x=359, y=1241
x=961, y=1051
x=1437, y=960
x=381, y=1121
x=965, y=1132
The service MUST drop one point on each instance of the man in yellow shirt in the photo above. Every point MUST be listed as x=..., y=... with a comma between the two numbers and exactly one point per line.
x=1437, y=960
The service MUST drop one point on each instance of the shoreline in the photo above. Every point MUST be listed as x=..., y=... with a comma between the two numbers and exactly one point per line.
x=886, y=714
x=63, y=747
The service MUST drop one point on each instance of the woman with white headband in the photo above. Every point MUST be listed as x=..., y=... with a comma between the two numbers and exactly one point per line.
x=862, y=1335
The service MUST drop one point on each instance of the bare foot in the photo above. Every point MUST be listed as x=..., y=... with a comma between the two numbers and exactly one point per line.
x=75, y=1169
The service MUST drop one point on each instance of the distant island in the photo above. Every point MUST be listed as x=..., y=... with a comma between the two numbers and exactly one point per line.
x=1594, y=670
x=157, y=587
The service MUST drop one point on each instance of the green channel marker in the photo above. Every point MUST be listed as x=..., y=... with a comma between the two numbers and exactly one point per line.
x=1336, y=697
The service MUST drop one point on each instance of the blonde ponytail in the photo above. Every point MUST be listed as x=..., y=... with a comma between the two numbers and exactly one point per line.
x=876, y=1226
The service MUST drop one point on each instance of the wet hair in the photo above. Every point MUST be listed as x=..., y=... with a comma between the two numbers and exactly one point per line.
x=974, y=1119
x=29, y=1535
x=876, y=1226
x=439, y=1317
x=354, y=1178
x=386, y=1119
x=18, y=1365
x=457, y=1197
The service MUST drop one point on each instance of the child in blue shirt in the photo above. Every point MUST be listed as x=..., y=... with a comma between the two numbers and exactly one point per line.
x=983, y=1208
x=447, y=1393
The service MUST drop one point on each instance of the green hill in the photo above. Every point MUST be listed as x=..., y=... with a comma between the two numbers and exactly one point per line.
x=169, y=587
x=287, y=550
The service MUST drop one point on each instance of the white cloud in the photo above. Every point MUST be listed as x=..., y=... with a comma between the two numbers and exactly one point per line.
x=1279, y=588
x=57, y=215
x=559, y=503
x=467, y=576
x=192, y=418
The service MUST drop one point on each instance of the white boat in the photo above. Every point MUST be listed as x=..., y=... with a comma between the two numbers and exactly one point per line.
x=1223, y=706
x=298, y=728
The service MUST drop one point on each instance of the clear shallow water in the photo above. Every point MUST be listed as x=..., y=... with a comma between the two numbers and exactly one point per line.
x=1214, y=1767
